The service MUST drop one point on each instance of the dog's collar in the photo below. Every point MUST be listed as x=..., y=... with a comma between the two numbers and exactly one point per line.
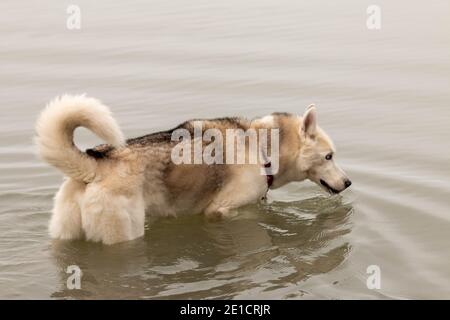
x=269, y=177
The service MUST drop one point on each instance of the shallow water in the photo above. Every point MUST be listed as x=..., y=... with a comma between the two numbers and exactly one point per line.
x=382, y=95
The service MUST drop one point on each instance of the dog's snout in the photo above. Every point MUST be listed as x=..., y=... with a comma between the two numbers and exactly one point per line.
x=347, y=183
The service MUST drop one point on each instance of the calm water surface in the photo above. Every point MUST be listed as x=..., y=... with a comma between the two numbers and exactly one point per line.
x=382, y=95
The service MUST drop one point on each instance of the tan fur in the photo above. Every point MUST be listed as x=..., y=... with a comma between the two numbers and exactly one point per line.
x=55, y=128
x=106, y=199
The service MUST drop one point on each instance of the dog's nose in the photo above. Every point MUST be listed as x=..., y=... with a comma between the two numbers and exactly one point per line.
x=347, y=183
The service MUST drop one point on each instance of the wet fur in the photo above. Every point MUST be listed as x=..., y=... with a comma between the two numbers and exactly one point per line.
x=108, y=189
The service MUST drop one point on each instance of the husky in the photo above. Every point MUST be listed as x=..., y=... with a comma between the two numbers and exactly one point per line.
x=109, y=189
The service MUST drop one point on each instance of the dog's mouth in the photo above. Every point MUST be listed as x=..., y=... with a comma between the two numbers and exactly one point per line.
x=328, y=187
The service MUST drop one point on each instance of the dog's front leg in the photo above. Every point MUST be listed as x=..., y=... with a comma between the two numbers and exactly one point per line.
x=215, y=211
x=248, y=186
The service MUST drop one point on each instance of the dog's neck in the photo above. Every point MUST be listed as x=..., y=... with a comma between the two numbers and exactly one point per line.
x=289, y=148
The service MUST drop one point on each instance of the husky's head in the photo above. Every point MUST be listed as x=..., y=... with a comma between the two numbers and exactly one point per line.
x=317, y=155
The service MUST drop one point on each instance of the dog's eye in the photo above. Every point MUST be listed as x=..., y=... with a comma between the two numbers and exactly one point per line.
x=329, y=156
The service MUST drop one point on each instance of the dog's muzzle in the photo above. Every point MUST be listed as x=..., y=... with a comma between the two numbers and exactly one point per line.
x=330, y=189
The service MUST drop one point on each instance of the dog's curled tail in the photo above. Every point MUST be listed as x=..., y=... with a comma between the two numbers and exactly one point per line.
x=55, y=129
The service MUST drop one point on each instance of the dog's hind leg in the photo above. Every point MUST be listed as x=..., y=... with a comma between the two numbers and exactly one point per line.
x=112, y=218
x=66, y=218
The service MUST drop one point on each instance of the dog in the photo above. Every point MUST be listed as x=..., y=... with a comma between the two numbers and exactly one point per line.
x=108, y=189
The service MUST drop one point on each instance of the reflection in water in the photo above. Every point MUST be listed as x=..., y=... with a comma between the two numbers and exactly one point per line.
x=265, y=247
x=383, y=97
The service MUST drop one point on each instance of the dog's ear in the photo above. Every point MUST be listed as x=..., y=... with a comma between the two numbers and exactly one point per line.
x=309, y=124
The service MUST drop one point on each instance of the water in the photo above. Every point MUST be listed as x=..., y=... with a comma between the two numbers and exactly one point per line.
x=382, y=95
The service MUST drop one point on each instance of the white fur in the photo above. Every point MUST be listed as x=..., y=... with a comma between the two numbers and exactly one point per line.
x=55, y=128
x=105, y=201
x=81, y=208
x=66, y=219
x=267, y=121
x=111, y=218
